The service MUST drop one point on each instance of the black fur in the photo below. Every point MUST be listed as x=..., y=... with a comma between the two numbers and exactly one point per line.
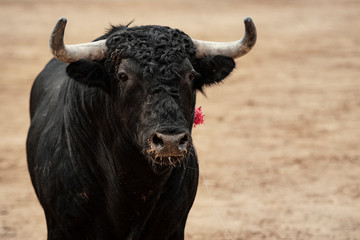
x=213, y=70
x=88, y=140
x=89, y=73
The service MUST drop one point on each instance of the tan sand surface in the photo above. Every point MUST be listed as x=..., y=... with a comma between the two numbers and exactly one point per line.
x=279, y=151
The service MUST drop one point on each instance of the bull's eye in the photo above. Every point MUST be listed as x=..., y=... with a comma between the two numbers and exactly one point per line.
x=192, y=75
x=123, y=77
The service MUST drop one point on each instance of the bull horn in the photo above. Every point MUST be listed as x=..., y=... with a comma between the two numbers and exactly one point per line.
x=71, y=53
x=234, y=49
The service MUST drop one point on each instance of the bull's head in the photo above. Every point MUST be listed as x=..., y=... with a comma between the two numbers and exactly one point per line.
x=152, y=74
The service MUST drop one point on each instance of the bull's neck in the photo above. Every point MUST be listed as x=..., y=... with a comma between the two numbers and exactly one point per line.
x=94, y=133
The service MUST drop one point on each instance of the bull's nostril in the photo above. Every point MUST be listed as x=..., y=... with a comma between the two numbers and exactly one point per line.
x=183, y=140
x=158, y=142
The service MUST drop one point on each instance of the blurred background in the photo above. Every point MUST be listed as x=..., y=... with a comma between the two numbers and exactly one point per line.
x=279, y=151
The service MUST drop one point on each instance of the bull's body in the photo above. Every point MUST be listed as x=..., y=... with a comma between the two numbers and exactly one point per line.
x=72, y=167
x=109, y=147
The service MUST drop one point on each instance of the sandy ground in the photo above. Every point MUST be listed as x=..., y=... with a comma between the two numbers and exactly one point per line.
x=279, y=152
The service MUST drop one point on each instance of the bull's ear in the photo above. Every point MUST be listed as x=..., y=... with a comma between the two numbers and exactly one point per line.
x=90, y=73
x=212, y=70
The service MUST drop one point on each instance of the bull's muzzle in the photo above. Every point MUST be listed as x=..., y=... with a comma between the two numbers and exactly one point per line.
x=168, y=149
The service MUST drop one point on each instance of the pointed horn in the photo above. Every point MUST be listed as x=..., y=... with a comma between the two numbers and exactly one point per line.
x=71, y=53
x=234, y=49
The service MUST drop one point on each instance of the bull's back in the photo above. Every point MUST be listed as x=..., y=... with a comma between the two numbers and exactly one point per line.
x=46, y=88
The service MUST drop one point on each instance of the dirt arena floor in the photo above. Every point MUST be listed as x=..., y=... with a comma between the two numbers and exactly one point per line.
x=279, y=151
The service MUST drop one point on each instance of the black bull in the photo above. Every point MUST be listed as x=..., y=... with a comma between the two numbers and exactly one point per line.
x=109, y=148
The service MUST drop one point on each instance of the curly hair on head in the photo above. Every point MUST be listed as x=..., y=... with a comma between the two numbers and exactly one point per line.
x=156, y=49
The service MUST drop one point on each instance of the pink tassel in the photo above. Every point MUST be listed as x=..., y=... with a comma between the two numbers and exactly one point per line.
x=199, y=117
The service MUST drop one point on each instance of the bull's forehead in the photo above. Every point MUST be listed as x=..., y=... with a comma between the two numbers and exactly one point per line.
x=157, y=45
x=161, y=53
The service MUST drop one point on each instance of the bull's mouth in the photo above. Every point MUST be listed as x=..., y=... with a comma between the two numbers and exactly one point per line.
x=166, y=160
x=161, y=164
